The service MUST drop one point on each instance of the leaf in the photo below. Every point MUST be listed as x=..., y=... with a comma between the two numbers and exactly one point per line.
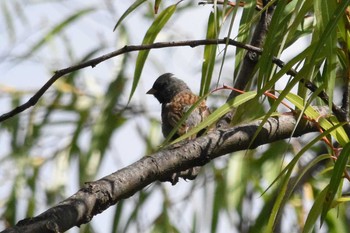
x=219, y=203
x=247, y=20
x=339, y=134
x=9, y=22
x=156, y=6
x=296, y=158
x=217, y=114
x=149, y=38
x=277, y=204
x=324, y=11
x=322, y=38
x=334, y=183
x=315, y=211
x=58, y=28
x=128, y=11
x=302, y=24
x=272, y=44
x=209, y=53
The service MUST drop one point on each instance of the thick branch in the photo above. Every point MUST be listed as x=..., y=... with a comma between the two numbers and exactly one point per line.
x=97, y=196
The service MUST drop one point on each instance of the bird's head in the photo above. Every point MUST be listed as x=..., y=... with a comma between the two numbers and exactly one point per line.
x=166, y=87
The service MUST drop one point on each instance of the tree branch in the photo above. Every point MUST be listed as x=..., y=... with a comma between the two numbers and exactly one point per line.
x=97, y=196
x=126, y=49
x=131, y=48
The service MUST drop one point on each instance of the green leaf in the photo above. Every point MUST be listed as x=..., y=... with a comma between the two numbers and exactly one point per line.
x=128, y=11
x=301, y=24
x=58, y=28
x=149, y=38
x=156, y=6
x=248, y=19
x=272, y=44
x=288, y=169
x=8, y=21
x=277, y=204
x=315, y=211
x=219, y=203
x=339, y=134
x=324, y=11
x=209, y=53
x=323, y=37
x=334, y=183
x=217, y=114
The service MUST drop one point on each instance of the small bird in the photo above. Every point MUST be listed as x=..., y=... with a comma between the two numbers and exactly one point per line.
x=176, y=99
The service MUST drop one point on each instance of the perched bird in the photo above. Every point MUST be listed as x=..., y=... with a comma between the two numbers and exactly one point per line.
x=176, y=99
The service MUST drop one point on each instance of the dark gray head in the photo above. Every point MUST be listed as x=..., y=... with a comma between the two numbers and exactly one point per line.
x=166, y=87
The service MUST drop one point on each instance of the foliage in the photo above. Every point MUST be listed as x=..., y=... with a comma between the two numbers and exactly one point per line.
x=75, y=133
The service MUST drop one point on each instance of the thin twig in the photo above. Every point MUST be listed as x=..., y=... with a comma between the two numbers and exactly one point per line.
x=126, y=49
x=192, y=43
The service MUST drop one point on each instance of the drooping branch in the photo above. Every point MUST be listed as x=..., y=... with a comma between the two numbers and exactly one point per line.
x=97, y=196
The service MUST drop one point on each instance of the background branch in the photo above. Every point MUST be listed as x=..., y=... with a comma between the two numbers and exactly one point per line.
x=126, y=49
x=131, y=48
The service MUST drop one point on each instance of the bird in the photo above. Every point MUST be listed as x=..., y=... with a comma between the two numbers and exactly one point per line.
x=176, y=99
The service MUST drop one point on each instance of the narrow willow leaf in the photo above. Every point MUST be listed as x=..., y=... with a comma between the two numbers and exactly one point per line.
x=339, y=134
x=217, y=204
x=334, y=183
x=329, y=28
x=128, y=11
x=274, y=106
x=233, y=13
x=324, y=15
x=301, y=24
x=272, y=44
x=286, y=68
x=58, y=28
x=9, y=22
x=296, y=158
x=342, y=200
x=117, y=216
x=315, y=211
x=218, y=113
x=209, y=53
x=277, y=204
x=149, y=38
x=246, y=23
x=156, y=6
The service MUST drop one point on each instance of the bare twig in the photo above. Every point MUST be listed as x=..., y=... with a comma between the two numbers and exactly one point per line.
x=126, y=49
x=229, y=3
x=338, y=112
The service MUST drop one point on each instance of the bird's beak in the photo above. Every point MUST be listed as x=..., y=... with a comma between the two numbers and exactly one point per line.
x=151, y=91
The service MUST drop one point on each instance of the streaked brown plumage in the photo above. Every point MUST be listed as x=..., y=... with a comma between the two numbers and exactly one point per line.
x=176, y=99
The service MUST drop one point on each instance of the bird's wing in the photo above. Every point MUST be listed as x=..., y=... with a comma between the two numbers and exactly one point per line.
x=179, y=106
